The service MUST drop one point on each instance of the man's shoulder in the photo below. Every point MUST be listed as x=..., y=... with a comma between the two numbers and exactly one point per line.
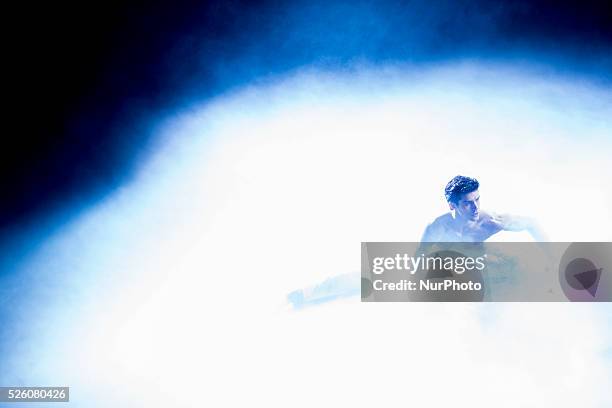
x=442, y=220
x=440, y=224
x=438, y=229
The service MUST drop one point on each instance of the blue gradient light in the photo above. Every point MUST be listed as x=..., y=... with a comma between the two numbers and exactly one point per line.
x=178, y=278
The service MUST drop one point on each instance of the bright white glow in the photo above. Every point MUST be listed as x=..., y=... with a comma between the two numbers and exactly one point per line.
x=179, y=279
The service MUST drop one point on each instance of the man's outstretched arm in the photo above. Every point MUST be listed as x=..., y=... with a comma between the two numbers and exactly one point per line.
x=519, y=223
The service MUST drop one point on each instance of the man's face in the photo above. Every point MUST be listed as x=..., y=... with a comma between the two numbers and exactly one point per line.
x=468, y=206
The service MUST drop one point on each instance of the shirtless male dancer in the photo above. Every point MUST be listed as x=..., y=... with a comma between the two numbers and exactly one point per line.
x=466, y=222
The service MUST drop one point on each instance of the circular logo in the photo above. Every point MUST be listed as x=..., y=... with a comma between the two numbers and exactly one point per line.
x=584, y=272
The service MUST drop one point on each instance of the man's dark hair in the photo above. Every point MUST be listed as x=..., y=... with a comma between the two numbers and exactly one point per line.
x=459, y=185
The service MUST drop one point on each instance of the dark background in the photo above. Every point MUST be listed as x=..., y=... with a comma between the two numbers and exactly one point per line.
x=85, y=80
